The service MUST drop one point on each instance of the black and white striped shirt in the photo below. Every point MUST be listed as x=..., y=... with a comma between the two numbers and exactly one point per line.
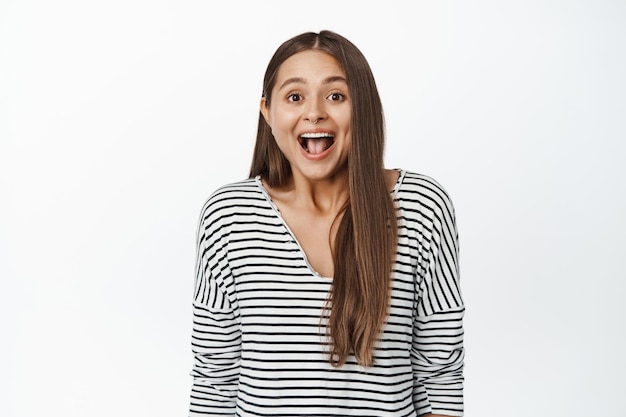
x=258, y=335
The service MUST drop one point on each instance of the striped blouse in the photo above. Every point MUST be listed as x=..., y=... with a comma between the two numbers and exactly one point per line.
x=259, y=342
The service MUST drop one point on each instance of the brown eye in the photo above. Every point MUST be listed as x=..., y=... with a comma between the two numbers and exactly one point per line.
x=295, y=97
x=336, y=97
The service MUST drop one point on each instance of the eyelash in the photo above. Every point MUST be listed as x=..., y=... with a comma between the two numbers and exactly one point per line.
x=291, y=97
x=342, y=96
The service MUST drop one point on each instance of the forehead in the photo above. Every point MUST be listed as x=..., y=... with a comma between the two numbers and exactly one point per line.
x=310, y=65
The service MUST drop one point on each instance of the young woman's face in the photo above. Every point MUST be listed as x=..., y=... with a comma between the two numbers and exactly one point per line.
x=310, y=115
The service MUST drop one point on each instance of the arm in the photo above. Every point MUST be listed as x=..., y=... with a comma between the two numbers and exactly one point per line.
x=216, y=346
x=437, y=348
x=434, y=415
x=216, y=337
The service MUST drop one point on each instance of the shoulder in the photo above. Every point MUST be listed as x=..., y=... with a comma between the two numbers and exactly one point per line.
x=232, y=198
x=422, y=192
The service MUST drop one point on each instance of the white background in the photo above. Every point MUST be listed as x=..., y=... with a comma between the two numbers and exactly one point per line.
x=118, y=118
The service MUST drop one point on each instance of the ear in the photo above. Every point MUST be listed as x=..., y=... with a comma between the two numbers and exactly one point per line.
x=265, y=111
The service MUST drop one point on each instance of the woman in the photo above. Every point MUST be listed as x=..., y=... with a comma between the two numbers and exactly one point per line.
x=307, y=302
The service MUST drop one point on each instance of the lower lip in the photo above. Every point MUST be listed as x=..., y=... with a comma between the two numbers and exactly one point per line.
x=317, y=156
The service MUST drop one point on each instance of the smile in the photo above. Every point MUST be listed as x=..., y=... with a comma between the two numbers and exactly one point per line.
x=316, y=143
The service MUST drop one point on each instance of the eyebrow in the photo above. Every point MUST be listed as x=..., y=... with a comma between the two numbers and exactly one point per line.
x=300, y=80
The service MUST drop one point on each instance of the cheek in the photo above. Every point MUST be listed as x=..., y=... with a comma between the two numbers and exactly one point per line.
x=346, y=120
x=277, y=122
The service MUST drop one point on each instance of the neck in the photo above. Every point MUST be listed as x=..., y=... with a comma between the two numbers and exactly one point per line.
x=326, y=195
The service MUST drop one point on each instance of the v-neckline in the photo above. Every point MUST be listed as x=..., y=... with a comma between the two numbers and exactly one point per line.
x=274, y=207
x=279, y=215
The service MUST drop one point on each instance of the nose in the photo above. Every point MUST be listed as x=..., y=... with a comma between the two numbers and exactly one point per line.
x=315, y=111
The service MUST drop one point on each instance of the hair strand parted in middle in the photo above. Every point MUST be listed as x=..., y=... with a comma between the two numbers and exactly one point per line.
x=364, y=247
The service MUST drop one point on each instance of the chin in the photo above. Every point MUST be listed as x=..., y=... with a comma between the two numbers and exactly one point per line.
x=323, y=173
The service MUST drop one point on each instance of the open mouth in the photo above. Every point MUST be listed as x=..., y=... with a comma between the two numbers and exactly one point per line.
x=316, y=143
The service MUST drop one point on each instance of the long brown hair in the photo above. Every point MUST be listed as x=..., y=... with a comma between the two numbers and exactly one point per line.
x=366, y=237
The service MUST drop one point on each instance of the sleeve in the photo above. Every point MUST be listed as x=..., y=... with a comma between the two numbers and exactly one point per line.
x=216, y=337
x=437, y=348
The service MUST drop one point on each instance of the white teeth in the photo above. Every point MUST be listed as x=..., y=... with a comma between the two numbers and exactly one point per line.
x=316, y=135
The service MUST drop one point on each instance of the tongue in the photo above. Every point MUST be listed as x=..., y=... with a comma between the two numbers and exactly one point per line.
x=315, y=146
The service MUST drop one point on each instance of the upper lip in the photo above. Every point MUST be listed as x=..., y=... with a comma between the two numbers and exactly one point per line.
x=318, y=130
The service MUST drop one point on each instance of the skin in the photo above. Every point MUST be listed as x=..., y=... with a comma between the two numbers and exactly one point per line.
x=311, y=95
